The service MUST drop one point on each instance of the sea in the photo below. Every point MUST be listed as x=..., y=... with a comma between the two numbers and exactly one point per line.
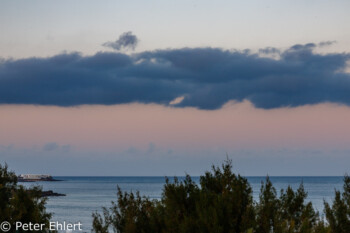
x=87, y=195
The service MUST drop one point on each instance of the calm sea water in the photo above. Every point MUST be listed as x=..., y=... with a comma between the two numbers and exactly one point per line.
x=86, y=195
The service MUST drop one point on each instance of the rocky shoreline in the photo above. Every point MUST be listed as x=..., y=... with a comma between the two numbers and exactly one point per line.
x=51, y=193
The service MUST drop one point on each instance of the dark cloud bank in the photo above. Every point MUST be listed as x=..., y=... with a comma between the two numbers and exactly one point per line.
x=206, y=77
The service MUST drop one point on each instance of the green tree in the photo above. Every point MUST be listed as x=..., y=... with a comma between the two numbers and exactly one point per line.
x=179, y=203
x=226, y=202
x=288, y=213
x=221, y=203
x=296, y=216
x=132, y=213
x=338, y=214
x=267, y=208
x=19, y=204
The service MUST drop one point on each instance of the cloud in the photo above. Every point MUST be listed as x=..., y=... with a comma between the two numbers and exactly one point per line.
x=50, y=146
x=326, y=43
x=53, y=146
x=151, y=147
x=204, y=78
x=177, y=100
x=269, y=50
x=125, y=41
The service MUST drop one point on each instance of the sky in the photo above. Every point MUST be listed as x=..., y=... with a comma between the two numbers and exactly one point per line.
x=171, y=87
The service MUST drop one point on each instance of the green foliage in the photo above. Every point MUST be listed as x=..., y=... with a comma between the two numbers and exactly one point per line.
x=295, y=214
x=223, y=203
x=267, y=208
x=288, y=213
x=338, y=215
x=179, y=206
x=132, y=213
x=18, y=203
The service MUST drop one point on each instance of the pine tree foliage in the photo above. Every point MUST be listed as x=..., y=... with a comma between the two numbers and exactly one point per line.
x=222, y=202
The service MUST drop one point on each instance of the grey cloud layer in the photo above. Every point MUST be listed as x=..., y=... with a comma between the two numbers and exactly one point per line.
x=206, y=77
